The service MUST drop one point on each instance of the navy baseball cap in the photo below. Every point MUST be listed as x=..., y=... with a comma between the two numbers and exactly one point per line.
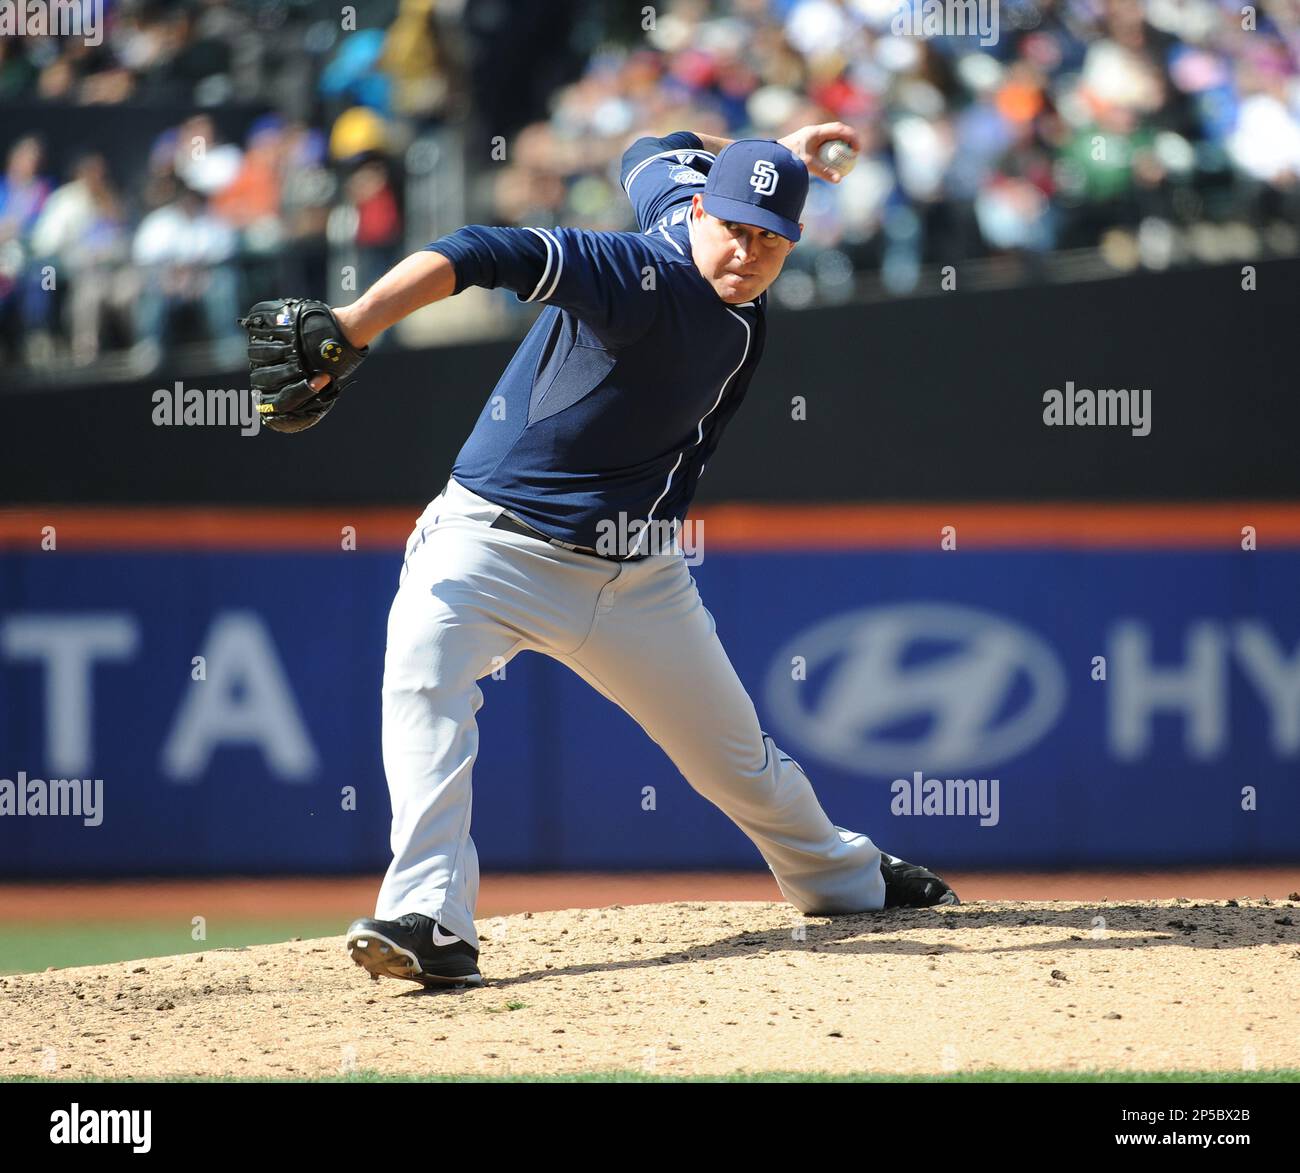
x=760, y=182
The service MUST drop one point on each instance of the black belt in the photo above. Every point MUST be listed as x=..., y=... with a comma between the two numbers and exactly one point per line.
x=515, y=526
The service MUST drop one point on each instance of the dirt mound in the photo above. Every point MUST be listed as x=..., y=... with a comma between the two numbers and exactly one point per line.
x=691, y=988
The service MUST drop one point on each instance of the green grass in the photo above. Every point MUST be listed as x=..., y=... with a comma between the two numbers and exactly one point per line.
x=32, y=947
x=1287, y=1075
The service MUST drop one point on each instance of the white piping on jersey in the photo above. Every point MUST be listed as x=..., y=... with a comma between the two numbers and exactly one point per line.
x=664, y=233
x=641, y=166
x=699, y=428
x=554, y=256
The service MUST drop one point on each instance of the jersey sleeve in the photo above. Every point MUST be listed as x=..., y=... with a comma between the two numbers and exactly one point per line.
x=597, y=276
x=660, y=173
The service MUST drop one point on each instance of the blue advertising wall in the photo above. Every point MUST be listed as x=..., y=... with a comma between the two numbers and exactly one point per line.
x=865, y=665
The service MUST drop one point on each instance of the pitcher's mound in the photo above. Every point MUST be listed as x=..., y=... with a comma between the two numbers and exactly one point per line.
x=690, y=989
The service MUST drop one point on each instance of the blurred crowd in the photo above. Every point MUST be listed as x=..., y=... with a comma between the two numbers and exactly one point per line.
x=1086, y=123
x=1134, y=126
x=129, y=246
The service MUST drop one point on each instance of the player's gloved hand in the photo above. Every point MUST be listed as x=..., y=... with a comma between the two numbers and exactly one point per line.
x=292, y=342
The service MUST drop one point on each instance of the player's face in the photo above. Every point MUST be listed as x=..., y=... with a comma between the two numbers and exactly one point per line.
x=738, y=260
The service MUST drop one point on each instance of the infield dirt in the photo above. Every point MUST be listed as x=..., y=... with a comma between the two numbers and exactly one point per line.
x=691, y=988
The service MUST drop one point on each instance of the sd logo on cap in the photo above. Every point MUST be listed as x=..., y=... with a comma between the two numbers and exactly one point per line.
x=760, y=182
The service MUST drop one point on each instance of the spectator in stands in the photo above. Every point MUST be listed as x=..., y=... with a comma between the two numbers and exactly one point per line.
x=202, y=161
x=17, y=73
x=369, y=191
x=250, y=202
x=1106, y=172
x=82, y=231
x=353, y=73
x=199, y=56
x=23, y=189
x=23, y=192
x=415, y=62
x=1264, y=146
x=306, y=195
x=184, y=255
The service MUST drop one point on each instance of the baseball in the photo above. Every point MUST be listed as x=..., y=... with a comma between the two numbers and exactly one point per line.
x=838, y=155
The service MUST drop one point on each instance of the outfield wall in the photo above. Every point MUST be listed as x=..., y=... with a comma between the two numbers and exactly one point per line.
x=936, y=398
x=870, y=652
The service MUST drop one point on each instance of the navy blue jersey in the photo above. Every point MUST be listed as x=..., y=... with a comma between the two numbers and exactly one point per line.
x=612, y=404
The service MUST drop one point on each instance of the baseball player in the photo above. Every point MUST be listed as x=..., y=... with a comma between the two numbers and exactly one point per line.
x=550, y=534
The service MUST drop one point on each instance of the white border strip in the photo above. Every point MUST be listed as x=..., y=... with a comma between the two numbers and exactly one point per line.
x=554, y=256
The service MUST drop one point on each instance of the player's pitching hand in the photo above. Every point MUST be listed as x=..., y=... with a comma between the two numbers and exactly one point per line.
x=299, y=360
x=806, y=143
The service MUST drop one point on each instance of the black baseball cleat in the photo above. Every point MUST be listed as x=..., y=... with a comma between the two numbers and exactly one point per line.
x=907, y=885
x=412, y=947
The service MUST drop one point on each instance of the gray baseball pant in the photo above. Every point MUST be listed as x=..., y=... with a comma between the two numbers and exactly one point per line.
x=470, y=598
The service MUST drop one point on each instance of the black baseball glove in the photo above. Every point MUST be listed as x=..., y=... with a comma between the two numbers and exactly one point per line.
x=290, y=340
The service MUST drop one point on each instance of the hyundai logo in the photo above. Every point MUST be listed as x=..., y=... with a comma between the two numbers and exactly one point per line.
x=927, y=686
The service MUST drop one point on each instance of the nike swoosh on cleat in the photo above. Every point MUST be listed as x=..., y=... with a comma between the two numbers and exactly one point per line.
x=441, y=938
